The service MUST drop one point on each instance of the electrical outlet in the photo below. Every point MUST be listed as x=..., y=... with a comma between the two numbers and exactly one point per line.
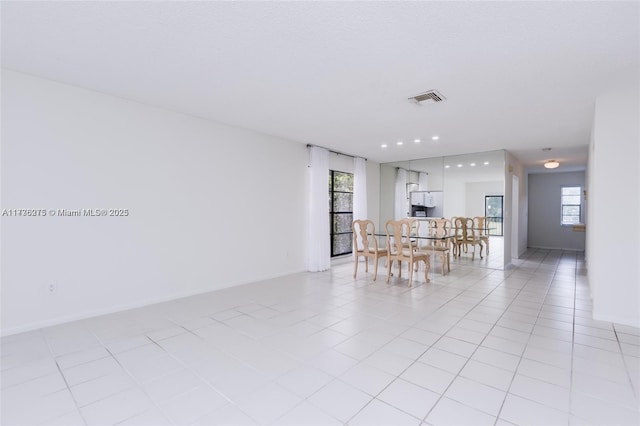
x=53, y=288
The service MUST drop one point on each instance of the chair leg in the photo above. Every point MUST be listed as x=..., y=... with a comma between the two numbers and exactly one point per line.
x=427, y=267
x=355, y=267
x=410, y=274
x=389, y=266
x=375, y=267
x=366, y=263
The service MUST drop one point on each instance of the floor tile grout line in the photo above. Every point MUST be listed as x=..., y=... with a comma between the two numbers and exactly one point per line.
x=138, y=383
x=186, y=367
x=507, y=392
x=375, y=397
x=213, y=386
x=469, y=287
x=128, y=373
x=462, y=291
x=573, y=342
x=75, y=402
x=626, y=367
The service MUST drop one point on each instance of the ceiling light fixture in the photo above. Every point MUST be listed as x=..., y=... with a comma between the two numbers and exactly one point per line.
x=416, y=140
x=551, y=164
x=447, y=166
x=472, y=164
x=384, y=145
x=459, y=165
x=486, y=163
x=399, y=143
x=435, y=138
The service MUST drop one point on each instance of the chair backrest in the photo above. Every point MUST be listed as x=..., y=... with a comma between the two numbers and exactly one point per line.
x=469, y=234
x=464, y=227
x=414, y=225
x=480, y=222
x=454, y=224
x=458, y=224
x=438, y=227
x=362, y=230
x=399, y=237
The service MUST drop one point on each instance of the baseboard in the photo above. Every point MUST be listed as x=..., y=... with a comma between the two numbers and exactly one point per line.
x=555, y=248
x=632, y=322
x=91, y=314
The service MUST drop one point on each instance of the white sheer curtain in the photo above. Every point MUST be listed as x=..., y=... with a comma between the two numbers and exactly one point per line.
x=359, y=188
x=423, y=181
x=318, y=250
x=401, y=194
x=359, y=192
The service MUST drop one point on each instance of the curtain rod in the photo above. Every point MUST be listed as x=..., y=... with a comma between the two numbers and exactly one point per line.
x=414, y=171
x=336, y=152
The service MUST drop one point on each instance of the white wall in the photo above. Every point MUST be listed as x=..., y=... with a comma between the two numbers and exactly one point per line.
x=387, y=193
x=200, y=196
x=435, y=170
x=373, y=191
x=514, y=167
x=613, y=203
x=475, y=193
x=457, y=180
x=545, y=230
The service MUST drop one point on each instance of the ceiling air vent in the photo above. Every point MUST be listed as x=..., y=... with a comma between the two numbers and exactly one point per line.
x=431, y=95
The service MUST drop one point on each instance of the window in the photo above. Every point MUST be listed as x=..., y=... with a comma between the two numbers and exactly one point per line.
x=493, y=211
x=571, y=207
x=340, y=212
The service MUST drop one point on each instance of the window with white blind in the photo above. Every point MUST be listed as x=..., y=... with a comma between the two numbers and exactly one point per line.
x=571, y=205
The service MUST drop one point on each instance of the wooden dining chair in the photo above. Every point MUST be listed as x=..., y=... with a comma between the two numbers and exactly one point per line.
x=365, y=244
x=469, y=238
x=414, y=226
x=456, y=230
x=480, y=222
x=441, y=247
x=402, y=248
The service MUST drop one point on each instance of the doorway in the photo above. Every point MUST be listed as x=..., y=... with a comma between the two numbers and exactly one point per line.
x=494, y=212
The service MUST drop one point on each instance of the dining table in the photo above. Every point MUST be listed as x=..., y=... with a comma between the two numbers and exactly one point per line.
x=446, y=237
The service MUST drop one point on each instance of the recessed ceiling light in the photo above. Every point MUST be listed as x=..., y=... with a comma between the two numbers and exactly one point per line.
x=486, y=163
x=416, y=140
x=435, y=138
x=459, y=165
x=447, y=166
x=472, y=164
x=384, y=145
x=399, y=143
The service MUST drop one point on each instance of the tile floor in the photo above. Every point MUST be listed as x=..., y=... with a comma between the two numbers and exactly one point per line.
x=478, y=346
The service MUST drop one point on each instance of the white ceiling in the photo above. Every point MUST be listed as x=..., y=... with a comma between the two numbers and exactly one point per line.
x=516, y=75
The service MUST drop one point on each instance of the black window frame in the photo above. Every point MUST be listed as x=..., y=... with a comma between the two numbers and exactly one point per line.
x=333, y=214
x=495, y=222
